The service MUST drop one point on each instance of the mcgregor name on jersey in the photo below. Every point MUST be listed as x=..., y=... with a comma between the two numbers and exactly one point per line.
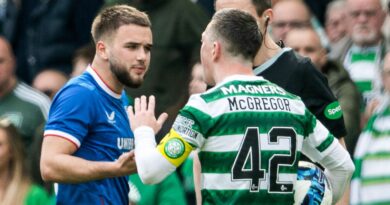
x=258, y=103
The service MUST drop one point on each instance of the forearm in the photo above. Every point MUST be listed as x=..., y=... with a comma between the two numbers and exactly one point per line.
x=338, y=169
x=65, y=168
x=197, y=180
x=152, y=166
x=342, y=142
x=345, y=198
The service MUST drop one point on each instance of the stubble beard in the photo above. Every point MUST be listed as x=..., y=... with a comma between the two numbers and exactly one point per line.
x=123, y=75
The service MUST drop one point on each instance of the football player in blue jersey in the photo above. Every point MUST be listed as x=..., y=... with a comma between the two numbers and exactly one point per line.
x=88, y=143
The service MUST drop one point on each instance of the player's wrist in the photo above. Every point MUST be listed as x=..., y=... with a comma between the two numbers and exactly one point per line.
x=143, y=134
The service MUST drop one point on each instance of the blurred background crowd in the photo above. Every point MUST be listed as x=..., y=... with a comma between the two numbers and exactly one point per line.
x=44, y=43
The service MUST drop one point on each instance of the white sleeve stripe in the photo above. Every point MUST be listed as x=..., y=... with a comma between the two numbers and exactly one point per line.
x=64, y=135
x=30, y=95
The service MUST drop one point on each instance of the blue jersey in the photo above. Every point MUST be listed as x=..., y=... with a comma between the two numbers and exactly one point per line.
x=93, y=117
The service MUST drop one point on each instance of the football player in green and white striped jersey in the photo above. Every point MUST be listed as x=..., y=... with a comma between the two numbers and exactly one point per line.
x=250, y=132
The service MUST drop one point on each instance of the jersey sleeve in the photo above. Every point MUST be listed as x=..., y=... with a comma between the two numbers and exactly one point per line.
x=320, y=100
x=319, y=142
x=71, y=114
x=193, y=121
x=186, y=133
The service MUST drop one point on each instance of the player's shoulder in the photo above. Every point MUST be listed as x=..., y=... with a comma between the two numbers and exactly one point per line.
x=82, y=87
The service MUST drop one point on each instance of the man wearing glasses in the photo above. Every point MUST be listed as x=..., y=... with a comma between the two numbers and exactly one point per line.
x=365, y=51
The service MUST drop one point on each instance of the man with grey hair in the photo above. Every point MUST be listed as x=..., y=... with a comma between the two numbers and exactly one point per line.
x=363, y=54
x=335, y=24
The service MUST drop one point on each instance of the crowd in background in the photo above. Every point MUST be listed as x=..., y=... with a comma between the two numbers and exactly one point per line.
x=45, y=43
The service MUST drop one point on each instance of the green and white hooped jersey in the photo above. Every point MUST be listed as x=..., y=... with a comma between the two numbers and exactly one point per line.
x=250, y=133
x=363, y=68
x=371, y=181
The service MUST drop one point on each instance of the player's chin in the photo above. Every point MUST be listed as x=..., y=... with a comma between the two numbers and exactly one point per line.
x=136, y=81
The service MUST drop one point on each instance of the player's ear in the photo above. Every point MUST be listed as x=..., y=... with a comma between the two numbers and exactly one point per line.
x=217, y=49
x=268, y=14
x=101, y=50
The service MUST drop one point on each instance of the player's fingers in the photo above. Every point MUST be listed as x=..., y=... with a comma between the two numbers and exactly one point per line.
x=162, y=118
x=143, y=103
x=137, y=105
x=151, y=104
x=132, y=153
x=130, y=112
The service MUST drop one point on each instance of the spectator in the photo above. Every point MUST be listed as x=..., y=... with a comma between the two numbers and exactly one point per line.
x=372, y=159
x=178, y=25
x=306, y=42
x=24, y=106
x=289, y=14
x=50, y=81
x=335, y=23
x=364, y=52
x=82, y=58
x=48, y=32
x=16, y=187
x=197, y=83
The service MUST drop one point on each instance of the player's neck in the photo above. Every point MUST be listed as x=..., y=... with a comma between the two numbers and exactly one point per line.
x=230, y=68
x=267, y=50
x=106, y=75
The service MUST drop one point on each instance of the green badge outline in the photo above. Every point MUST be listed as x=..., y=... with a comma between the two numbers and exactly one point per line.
x=330, y=108
x=172, y=153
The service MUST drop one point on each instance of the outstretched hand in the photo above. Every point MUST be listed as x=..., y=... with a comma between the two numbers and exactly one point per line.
x=143, y=114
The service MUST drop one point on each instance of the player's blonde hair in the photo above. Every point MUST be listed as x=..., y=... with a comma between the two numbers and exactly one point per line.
x=111, y=18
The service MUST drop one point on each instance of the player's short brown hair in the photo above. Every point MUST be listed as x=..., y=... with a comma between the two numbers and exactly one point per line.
x=239, y=31
x=111, y=18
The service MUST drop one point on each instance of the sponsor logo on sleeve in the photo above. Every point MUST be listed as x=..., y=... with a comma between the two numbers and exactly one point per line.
x=333, y=111
x=184, y=126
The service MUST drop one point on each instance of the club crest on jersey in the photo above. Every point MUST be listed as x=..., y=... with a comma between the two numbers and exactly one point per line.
x=110, y=117
x=174, y=148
